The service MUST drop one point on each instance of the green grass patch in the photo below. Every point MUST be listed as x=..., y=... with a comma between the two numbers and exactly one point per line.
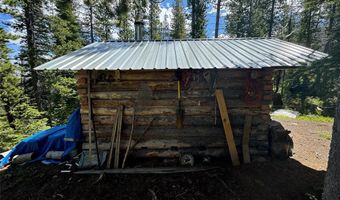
x=326, y=135
x=313, y=118
x=316, y=118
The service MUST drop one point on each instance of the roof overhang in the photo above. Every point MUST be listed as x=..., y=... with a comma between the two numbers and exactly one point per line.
x=245, y=53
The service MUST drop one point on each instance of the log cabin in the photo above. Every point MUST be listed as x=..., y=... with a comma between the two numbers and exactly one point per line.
x=166, y=90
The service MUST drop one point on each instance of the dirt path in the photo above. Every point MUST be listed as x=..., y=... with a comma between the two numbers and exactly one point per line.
x=311, y=148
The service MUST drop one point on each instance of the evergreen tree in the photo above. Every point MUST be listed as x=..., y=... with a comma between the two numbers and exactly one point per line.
x=104, y=19
x=17, y=117
x=65, y=29
x=124, y=20
x=61, y=92
x=178, y=21
x=198, y=18
x=250, y=18
x=287, y=26
x=88, y=24
x=310, y=23
x=154, y=11
x=237, y=22
x=333, y=17
x=35, y=43
x=316, y=86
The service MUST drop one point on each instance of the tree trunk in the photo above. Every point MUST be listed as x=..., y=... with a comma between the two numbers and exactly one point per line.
x=217, y=18
x=193, y=19
x=271, y=19
x=9, y=116
x=332, y=179
x=91, y=23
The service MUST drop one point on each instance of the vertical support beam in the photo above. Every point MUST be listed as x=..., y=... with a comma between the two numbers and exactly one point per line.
x=227, y=127
x=90, y=112
x=245, y=139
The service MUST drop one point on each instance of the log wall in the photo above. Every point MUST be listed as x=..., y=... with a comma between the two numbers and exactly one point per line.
x=152, y=97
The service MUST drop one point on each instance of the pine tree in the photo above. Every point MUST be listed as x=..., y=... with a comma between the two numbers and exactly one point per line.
x=62, y=99
x=103, y=19
x=35, y=43
x=250, y=18
x=88, y=23
x=124, y=20
x=154, y=11
x=65, y=29
x=237, y=22
x=17, y=117
x=178, y=21
x=310, y=23
x=198, y=18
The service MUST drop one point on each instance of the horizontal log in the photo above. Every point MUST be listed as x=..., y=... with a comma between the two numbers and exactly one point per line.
x=152, y=111
x=171, y=144
x=168, y=94
x=236, y=120
x=171, y=111
x=197, y=141
x=131, y=75
x=172, y=132
x=209, y=101
x=163, y=144
x=212, y=152
x=231, y=83
x=260, y=73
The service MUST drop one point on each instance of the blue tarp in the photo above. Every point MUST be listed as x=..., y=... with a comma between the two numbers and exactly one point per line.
x=59, y=138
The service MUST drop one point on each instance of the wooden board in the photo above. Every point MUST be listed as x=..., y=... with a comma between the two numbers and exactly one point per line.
x=227, y=127
x=89, y=113
x=245, y=139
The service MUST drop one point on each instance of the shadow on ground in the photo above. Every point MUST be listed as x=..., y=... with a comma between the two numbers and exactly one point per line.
x=268, y=180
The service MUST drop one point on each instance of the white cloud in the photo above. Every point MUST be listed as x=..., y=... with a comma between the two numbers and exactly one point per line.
x=166, y=15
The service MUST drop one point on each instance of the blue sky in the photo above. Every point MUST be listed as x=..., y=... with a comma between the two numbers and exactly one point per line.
x=166, y=5
x=4, y=19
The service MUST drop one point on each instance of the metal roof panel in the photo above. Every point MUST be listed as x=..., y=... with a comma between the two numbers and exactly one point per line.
x=186, y=54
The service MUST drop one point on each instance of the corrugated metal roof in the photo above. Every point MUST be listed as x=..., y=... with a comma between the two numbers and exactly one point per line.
x=186, y=54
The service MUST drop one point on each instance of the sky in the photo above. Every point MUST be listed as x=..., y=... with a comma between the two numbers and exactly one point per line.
x=166, y=8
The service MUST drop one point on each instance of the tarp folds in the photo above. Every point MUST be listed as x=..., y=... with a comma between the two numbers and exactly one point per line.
x=59, y=138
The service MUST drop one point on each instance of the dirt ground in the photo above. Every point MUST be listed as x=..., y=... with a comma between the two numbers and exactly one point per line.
x=310, y=148
x=298, y=178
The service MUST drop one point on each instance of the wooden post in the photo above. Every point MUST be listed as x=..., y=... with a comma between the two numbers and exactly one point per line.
x=90, y=113
x=113, y=137
x=245, y=139
x=119, y=132
x=227, y=127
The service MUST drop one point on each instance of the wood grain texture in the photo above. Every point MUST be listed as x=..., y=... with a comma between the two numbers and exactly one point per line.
x=246, y=138
x=202, y=120
x=227, y=127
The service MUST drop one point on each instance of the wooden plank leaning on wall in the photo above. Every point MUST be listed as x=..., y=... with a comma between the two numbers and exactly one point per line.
x=227, y=127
